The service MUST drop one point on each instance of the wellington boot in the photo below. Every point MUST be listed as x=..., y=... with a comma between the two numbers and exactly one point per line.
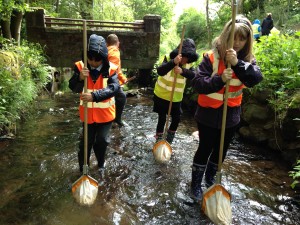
x=210, y=173
x=170, y=136
x=159, y=136
x=197, y=175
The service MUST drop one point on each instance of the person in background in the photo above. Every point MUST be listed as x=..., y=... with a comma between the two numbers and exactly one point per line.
x=256, y=29
x=102, y=86
x=209, y=82
x=267, y=25
x=113, y=44
x=180, y=64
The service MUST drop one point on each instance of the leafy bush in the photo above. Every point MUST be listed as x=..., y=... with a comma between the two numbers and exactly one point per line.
x=17, y=92
x=295, y=174
x=279, y=59
x=195, y=27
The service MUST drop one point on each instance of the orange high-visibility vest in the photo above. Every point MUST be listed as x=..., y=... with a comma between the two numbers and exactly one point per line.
x=114, y=57
x=235, y=93
x=98, y=112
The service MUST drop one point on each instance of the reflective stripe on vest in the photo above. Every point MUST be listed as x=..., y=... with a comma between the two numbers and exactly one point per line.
x=101, y=105
x=255, y=29
x=98, y=112
x=235, y=93
x=164, y=85
x=220, y=97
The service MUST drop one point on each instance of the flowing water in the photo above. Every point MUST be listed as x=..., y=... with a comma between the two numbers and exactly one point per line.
x=39, y=166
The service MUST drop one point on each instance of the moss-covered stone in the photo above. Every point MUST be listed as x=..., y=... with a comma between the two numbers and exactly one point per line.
x=295, y=103
x=9, y=61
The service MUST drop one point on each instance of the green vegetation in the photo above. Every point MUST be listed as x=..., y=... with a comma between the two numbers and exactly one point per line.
x=20, y=87
x=296, y=174
x=279, y=58
x=195, y=25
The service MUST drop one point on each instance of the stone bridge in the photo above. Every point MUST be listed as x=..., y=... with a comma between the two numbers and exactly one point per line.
x=62, y=38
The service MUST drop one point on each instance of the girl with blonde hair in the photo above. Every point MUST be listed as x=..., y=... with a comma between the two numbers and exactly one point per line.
x=209, y=82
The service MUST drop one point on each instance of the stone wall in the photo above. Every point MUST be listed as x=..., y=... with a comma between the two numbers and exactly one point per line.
x=139, y=48
x=262, y=125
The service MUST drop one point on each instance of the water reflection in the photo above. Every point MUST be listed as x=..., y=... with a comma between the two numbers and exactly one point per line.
x=40, y=165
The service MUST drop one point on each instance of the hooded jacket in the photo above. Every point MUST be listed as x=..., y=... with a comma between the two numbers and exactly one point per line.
x=256, y=28
x=188, y=50
x=267, y=25
x=164, y=83
x=97, y=44
x=97, y=47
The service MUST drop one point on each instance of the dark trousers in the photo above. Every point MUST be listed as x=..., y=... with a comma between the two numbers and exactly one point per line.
x=98, y=139
x=162, y=117
x=161, y=106
x=209, y=144
x=120, y=99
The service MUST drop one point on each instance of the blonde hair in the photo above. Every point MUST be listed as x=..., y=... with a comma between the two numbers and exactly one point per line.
x=112, y=39
x=243, y=29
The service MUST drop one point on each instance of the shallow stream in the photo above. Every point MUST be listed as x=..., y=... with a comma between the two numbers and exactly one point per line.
x=39, y=166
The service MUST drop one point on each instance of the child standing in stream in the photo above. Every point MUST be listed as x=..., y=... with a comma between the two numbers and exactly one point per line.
x=102, y=86
x=209, y=82
x=180, y=64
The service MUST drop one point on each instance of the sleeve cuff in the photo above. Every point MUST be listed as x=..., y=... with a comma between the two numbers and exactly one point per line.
x=239, y=63
x=93, y=95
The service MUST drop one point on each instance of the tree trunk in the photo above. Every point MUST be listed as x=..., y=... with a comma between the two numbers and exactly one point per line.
x=5, y=27
x=240, y=6
x=15, y=25
x=57, y=6
x=261, y=6
x=208, y=25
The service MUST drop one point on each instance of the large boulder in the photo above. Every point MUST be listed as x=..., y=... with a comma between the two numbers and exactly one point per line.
x=261, y=124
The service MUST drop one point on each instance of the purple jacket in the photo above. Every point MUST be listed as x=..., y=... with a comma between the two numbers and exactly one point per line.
x=203, y=83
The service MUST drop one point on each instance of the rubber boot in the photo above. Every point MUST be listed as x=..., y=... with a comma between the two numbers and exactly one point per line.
x=197, y=175
x=120, y=101
x=170, y=136
x=210, y=173
x=159, y=136
x=101, y=171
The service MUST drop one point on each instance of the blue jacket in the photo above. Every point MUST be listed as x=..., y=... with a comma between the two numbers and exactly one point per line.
x=256, y=28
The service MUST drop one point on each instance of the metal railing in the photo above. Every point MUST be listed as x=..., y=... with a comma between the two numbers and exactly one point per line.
x=77, y=23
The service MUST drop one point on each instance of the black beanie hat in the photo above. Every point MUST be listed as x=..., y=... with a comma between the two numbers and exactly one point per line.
x=188, y=50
